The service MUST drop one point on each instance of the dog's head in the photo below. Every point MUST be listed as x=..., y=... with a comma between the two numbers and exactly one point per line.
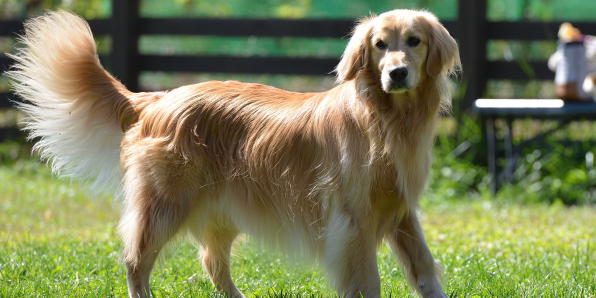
x=398, y=49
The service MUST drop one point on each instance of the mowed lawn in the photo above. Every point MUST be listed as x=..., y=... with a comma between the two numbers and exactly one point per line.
x=56, y=241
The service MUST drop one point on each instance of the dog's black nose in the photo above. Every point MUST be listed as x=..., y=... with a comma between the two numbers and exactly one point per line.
x=399, y=74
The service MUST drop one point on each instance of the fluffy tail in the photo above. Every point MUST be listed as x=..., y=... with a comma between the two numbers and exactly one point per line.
x=76, y=108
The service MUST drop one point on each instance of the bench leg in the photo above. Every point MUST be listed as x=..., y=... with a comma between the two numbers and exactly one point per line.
x=491, y=141
x=509, y=159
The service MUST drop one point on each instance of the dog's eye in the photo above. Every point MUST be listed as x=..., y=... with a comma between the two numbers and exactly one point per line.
x=381, y=45
x=413, y=41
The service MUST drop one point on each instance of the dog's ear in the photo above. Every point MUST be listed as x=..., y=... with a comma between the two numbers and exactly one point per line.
x=355, y=56
x=443, y=54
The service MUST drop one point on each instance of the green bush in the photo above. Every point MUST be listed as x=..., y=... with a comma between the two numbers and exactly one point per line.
x=555, y=170
x=13, y=150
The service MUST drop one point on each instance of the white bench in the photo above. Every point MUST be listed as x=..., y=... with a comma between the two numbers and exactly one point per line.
x=510, y=109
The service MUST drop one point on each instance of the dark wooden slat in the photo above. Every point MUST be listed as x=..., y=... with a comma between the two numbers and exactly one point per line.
x=256, y=27
x=11, y=27
x=526, y=30
x=523, y=30
x=247, y=27
x=452, y=27
x=7, y=100
x=585, y=27
x=514, y=70
x=5, y=63
x=7, y=133
x=101, y=27
x=227, y=64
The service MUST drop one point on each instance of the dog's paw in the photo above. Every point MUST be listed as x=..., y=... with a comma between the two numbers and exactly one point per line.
x=429, y=287
x=434, y=294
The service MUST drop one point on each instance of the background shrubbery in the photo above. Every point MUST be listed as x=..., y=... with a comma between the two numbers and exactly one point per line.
x=558, y=169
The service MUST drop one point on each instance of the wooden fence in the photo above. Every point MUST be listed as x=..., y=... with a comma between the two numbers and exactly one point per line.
x=472, y=30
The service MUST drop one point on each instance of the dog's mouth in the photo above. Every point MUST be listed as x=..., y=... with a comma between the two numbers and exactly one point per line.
x=398, y=87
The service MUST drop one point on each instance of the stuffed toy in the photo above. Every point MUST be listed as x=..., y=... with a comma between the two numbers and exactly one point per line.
x=574, y=64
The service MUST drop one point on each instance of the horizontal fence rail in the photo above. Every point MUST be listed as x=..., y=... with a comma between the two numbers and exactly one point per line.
x=247, y=27
x=519, y=70
x=256, y=27
x=526, y=30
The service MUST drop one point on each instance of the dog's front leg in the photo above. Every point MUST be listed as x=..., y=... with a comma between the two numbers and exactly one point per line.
x=407, y=242
x=350, y=258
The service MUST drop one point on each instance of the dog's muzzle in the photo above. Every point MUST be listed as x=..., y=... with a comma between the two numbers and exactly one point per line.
x=398, y=77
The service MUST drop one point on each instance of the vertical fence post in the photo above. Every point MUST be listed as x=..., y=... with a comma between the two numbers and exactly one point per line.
x=125, y=36
x=472, y=45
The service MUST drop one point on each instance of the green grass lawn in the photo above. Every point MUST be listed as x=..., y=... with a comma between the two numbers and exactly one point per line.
x=55, y=241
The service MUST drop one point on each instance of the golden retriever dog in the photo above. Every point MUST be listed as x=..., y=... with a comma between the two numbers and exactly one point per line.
x=328, y=175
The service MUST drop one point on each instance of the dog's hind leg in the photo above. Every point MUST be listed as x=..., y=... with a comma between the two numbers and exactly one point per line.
x=217, y=239
x=146, y=227
x=154, y=211
x=406, y=240
x=137, y=275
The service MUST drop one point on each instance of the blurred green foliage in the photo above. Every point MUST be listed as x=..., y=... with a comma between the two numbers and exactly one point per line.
x=241, y=46
x=446, y=9
x=556, y=173
x=13, y=150
x=510, y=10
x=559, y=169
x=20, y=9
x=541, y=10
